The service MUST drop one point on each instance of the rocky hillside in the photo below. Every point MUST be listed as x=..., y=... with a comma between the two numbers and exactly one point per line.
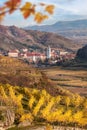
x=54, y=40
x=82, y=53
x=15, y=38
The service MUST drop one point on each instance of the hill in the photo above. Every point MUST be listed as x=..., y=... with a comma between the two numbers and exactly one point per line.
x=15, y=38
x=82, y=54
x=75, y=30
x=18, y=73
x=54, y=40
x=61, y=25
x=27, y=97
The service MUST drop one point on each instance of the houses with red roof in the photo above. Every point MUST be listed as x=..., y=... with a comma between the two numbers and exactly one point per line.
x=30, y=56
x=34, y=57
x=13, y=53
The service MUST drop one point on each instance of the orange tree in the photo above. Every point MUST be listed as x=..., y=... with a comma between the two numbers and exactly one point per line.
x=27, y=10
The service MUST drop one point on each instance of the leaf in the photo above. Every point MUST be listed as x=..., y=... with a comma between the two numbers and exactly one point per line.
x=26, y=6
x=42, y=4
x=2, y=16
x=50, y=9
x=2, y=9
x=2, y=13
x=28, y=9
x=26, y=14
x=39, y=17
x=12, y=5
x=45, y=17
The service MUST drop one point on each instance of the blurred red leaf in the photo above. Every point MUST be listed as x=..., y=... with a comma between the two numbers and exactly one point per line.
x=27, y=9
x=42, y=4
x=12, y=5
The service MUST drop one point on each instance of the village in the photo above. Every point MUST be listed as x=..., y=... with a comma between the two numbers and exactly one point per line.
x=50, y=56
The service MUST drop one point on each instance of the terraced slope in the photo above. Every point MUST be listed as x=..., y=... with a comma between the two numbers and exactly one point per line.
x=17, y=73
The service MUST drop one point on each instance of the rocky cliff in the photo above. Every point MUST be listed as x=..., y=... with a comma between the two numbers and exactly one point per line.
x=82, y=53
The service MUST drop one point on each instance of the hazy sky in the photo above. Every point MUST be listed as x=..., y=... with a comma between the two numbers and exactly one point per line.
x=64, y=10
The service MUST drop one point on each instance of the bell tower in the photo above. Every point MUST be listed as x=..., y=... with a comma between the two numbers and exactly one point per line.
x=48, y=52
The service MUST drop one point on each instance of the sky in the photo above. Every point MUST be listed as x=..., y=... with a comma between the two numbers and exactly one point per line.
x=65, y=10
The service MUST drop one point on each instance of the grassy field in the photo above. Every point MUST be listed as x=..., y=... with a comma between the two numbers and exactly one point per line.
x=74, y=80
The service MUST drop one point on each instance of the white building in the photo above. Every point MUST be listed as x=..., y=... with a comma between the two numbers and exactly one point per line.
x=13, y=53
x=63, y=52
x=25, y=50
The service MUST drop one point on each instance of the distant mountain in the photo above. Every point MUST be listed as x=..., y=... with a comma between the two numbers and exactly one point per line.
x=15, y=38
x=75, y=30
x=62, y=25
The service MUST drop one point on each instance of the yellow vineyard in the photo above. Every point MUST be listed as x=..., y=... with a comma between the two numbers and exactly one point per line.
x=39, y=106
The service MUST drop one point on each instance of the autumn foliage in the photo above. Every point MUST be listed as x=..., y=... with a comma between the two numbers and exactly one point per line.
x=27, y=10
x=36, y=102
x=40, y=106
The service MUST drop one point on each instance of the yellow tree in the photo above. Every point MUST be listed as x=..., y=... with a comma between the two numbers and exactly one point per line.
x=67, y=101
x=19, y=108
x=47, y=110
x=27, y=116
x=31, y=102
x=48, y=127
x=2, y=92
x=55, y=116
x=38, y=106
x=77, y=117
x=12, y=93
x=85, y=103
